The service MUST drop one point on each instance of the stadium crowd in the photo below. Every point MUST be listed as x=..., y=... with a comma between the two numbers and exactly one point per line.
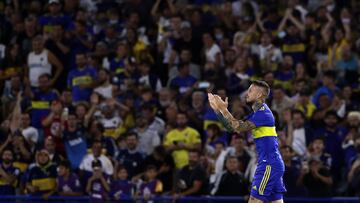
x=107, y=98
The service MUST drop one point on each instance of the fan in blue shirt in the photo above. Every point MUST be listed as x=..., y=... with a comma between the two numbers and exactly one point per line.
x=82, y=79
x=184, y=81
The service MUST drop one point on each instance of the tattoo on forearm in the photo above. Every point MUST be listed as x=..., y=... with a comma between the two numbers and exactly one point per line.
x=232, y=124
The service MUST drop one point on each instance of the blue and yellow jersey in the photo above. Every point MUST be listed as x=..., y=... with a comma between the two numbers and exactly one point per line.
x=78, y=77
x=5, y=187
x=40, y=106
x=42, y=177
x=265, y=136
x=117, y=66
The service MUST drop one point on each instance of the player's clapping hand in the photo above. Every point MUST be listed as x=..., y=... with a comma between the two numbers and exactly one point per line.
x=212, y=102
x=217, y=103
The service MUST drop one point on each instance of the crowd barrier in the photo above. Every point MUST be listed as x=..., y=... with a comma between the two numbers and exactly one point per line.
x=212, y=199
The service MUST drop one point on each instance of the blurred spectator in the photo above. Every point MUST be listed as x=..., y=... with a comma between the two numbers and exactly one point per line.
x=304, y=104
x=148, y=139
x=269, y=55
x=318, y=179
x=333, y=136
x=41, y=177
x=131, y=158
x=86, y=163
x=185, y=55
x=67, y=182
x=148, y=79
x=82, y=79
x=165, y=166
x=151, y=187
x=180, y=140
x=294, y=173
x=212, y=51
x=98, y=185
x=231, y=182
x=241, y=152
x=96, y=133
x=191, y=180
x=184, y=81
x=21, y=150
x=328, y=88
x=155, y=123
x=213, y=136
x=74, y=141
x=121, y=187
x=109, y=118
x=354, y=166
x=9, y=175
x=30, y=133
x=299, y=135
x=105, y=88
x=41, y=99
x=50, y=146
x=41, y=61
x=280, y=101
x=239, y=80
x=54, y=16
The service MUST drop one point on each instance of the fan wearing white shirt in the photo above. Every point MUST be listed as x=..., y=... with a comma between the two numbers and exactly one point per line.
x=30, y=133
x=268, y=54
x=298, y=137
x=148, y=138
x=86, y=164
x=105, y=88
x=212, y=50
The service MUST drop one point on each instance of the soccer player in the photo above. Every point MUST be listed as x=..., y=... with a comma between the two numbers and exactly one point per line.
x=267, y=183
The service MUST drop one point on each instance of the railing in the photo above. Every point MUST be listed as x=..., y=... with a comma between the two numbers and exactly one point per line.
x=85, y=199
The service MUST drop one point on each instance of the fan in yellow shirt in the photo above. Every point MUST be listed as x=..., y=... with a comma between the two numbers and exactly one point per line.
x=182, y=139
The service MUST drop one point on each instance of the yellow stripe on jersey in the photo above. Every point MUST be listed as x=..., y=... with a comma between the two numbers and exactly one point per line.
x=264, y=132
x=44, y=183
x=40, y=104
x=265, y=180
x=119, y=70
x=21, y=165
x=82, y=80
x=300, y=47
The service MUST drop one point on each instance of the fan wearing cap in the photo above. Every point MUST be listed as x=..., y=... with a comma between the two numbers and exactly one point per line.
x=54, y=16
x=41, y=177
x=98, y=184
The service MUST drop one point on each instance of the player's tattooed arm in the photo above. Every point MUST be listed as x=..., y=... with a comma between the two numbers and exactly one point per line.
x=225, y=122
x=232, y=124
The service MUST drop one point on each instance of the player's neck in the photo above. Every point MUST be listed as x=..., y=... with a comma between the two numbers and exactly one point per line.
x=256, y=106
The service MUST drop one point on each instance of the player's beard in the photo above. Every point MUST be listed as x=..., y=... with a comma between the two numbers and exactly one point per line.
x=249, y=103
